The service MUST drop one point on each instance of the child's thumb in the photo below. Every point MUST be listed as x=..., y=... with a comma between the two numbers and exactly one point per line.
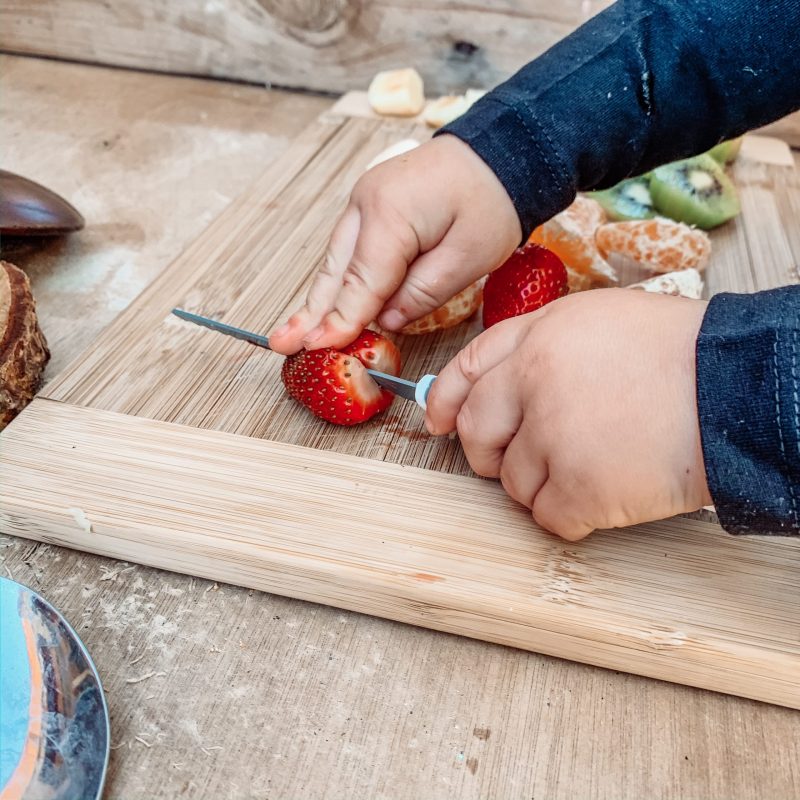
x=431, y=280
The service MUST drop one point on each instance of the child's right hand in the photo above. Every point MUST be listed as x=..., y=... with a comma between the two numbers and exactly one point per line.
x=418, y=229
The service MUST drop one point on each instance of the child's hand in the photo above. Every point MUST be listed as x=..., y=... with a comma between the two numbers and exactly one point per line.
x=585, y=409
x=418, y=229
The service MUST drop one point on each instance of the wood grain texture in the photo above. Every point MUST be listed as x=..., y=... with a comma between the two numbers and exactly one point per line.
x=253, y=265
x=249, y=268
x=253, y=696
x=264, y=696
x=678, y=600
x=332, y=46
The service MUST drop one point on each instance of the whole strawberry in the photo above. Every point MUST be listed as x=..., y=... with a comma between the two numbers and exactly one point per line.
x=335, y=385
x=531, y=278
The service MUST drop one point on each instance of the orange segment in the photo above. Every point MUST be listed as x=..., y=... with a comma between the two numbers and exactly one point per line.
x=578, y=281
x=571, y=236
x=455, y=310
x=658, y=245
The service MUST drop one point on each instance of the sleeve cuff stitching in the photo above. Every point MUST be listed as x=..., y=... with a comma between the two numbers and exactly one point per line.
x=779, y=418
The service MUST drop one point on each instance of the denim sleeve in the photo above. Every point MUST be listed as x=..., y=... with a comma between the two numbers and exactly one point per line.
x=643, y=83
x=748, y=399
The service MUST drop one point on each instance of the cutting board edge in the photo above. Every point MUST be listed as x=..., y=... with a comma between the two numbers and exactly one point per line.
x=549, y=628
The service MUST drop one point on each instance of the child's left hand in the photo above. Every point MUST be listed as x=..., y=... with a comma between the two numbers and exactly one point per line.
x=586, y=409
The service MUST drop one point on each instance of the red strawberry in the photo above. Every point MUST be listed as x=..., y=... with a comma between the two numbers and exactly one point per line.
x=335, y=385
x=531, y=278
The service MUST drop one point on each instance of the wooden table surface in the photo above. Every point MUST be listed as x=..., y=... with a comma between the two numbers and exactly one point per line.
x=219, y=691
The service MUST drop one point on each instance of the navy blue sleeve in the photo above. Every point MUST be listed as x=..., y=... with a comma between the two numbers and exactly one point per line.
x=748, y=400
x=642, y=83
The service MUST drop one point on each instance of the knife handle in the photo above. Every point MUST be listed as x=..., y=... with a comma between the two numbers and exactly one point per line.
x=423, y=387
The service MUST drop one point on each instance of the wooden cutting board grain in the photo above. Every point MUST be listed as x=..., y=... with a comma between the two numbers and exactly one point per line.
x=182, y=451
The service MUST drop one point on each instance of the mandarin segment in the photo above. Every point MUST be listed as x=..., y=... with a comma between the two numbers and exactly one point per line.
x=455, y=310
x=684, y=283
x=657, y=245
x=571, y=236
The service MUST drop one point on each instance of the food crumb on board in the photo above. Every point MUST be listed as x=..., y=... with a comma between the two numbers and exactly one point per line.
x=79, y=515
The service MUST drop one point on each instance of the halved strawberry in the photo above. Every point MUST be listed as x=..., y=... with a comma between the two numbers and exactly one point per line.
x=531, y=278
x=335, y=385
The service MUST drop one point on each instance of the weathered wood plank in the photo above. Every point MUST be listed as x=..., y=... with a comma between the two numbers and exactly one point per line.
x=254, y=695
x=331, y=46
x=149, y=161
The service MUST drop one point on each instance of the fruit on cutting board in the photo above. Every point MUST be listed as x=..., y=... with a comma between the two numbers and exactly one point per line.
x=684, y=283
x=726, y=152
x=657, y=245
x=23, y=349
x=397, y=92
x=577, y=281
x=570, y=235
x=629, y=199
x=334, y=384
x=458, y=308
x=696, y=191
x=445, y=109
x=532, y=277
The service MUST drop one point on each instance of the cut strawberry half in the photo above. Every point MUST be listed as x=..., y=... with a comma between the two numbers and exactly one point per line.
x=531, y=278
x=335, y=385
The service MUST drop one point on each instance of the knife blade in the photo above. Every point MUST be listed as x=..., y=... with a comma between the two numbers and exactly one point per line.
x=416, y=392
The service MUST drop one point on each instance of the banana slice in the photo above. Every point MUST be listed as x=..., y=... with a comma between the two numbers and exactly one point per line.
x=445, y=109
x=396, y=149
x=473, y=95
x=683, y=283
x=398, y=92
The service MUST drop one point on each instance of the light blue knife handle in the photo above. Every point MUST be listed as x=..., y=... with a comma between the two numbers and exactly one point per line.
x=423, y=387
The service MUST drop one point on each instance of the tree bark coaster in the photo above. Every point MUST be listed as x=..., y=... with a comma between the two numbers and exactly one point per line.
x=23, y=348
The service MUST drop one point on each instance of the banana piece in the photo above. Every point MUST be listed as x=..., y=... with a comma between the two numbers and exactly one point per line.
x=396, y=149
x=473, y=95
x=445, y=109
x=398, y=92
x=683, y=283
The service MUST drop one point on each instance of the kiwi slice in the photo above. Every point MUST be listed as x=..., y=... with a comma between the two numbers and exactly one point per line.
x=726, y=152
x=696, y=191
x=629, y=199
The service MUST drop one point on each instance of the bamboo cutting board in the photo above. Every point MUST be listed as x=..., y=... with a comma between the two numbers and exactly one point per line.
x=172, y=446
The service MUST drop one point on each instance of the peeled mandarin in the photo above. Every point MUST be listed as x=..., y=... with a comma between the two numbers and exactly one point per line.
x=658, y=245
x=455, y=310
x=571, y=236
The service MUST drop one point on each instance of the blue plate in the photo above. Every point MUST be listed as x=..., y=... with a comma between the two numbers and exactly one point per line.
x=54, y=728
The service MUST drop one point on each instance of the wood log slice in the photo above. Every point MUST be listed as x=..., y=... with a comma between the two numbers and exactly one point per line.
x=23, y=348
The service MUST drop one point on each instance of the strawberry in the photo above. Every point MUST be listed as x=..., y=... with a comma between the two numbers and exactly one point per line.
x=531, y=278
x=334, y=384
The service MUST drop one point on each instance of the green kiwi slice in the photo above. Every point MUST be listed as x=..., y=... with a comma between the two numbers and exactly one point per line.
x=629, y=199
x=696, y=191
x=726, y=152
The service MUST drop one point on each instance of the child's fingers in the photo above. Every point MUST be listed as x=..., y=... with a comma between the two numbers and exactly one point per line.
x=437, y=275
x=556, y=512
x=327, y=283
x=489, y=420
x=524, y=468
x=383, y=249
x=482, y=354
